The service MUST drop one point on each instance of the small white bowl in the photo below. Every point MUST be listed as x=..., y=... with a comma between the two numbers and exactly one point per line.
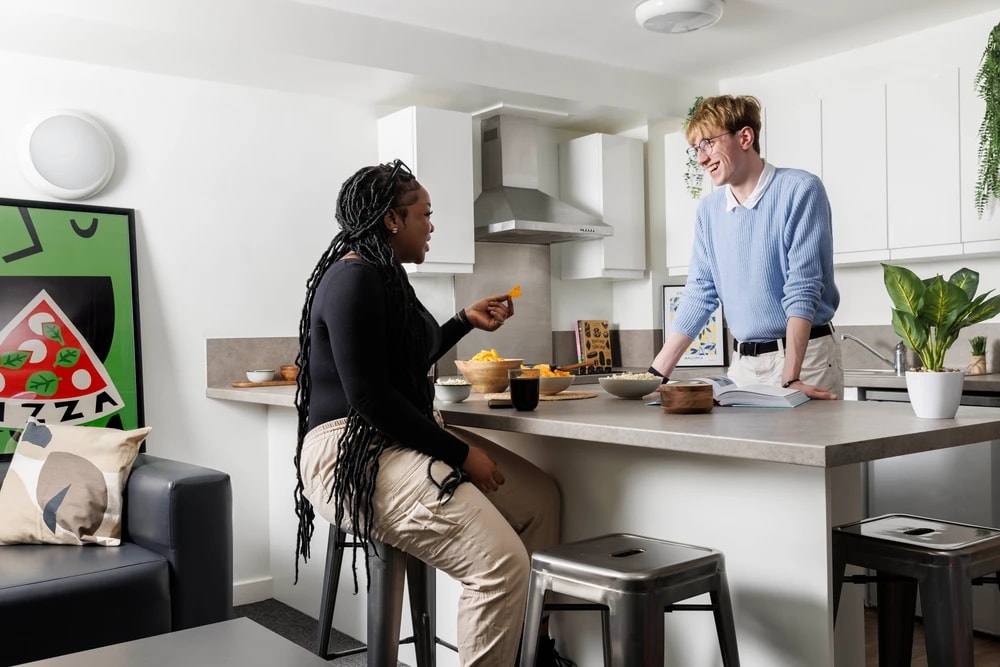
x=260, y=375
x=452, y=392
x=626, y=388
x=553, y=384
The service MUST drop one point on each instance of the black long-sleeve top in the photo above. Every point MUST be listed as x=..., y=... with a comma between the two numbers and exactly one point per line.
x=351, y=362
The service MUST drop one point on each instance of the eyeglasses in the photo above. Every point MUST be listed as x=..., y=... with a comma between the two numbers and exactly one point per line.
x=706, y=146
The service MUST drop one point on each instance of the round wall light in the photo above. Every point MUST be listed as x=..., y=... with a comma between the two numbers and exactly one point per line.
x=67, y=154
x=676, y=16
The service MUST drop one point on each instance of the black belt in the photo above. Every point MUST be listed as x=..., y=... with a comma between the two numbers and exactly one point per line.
x=757, y=349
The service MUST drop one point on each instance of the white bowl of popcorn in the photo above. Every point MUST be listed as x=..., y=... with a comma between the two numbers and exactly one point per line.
x=630, y=385
x=452, y=389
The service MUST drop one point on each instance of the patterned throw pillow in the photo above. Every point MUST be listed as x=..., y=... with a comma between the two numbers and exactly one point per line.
x=65, y=483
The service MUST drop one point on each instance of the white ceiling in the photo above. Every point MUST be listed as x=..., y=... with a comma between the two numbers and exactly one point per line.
x=586, y=58
x=752, y=36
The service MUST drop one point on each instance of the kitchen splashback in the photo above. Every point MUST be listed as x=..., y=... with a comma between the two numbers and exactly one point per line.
x=500, y=266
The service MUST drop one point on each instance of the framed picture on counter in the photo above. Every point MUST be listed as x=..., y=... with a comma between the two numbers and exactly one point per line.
x=69, y=317
x=709, y=347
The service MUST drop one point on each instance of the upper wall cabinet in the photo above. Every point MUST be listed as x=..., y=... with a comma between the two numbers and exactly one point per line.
x=854, y=173
x=437, y=145
x=680, y=207
x=792, y=135
x=603, y=174
x=922, y=140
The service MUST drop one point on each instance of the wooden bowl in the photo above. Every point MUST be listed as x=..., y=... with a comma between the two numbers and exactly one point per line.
x=289, y=373
x=487, y=377
x=686, y=397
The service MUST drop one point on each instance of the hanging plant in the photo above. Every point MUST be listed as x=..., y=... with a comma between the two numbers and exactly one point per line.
x=988, y=87
x=693, y=173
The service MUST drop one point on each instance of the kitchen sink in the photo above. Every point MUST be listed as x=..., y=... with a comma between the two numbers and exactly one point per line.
x=888, y=372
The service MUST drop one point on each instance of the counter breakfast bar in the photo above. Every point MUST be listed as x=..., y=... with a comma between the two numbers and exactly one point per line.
x=765, y=486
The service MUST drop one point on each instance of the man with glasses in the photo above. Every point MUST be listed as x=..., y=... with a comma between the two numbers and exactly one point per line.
x=764, y=248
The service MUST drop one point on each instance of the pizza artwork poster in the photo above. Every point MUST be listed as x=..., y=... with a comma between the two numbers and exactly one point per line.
x=69, y=328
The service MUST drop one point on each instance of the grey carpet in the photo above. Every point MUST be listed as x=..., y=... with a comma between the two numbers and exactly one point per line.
x=299, y=628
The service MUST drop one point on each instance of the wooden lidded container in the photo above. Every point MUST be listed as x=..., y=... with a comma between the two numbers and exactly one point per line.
x=686, y=397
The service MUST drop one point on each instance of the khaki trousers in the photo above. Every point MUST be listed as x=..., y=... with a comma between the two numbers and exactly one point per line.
x=821, y=366
x=481, y=540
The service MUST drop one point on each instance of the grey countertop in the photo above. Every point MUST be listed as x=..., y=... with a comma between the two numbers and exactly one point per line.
x=817, y=433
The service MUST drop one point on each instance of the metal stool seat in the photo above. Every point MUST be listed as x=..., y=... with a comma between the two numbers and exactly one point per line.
x=633, y=580
x=942, y=559
x=385, y=604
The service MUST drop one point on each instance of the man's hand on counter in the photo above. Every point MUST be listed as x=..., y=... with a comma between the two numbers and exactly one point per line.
x=814, y=392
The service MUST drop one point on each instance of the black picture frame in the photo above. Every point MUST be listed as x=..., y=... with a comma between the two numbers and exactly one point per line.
x=69, y=317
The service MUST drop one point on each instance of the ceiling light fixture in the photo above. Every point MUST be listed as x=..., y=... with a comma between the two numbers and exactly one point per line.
x=676, y=16
x=67, y=154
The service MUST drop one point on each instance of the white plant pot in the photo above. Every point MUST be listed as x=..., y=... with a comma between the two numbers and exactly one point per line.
x=935, y=395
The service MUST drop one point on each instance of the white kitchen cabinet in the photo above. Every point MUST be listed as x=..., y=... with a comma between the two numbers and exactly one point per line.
x=854, y=173
x=979, y=235
x=603, y=174
x=437, y=145
x=679, y=207
x=792, y=135
x=922, y=166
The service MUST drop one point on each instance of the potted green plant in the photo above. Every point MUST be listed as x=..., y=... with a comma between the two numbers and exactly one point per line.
x=928, y=314
x=693, y=173
x=977, y=365
x=987, y=85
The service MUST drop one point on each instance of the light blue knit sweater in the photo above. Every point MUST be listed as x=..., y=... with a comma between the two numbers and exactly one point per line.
x=766, y=264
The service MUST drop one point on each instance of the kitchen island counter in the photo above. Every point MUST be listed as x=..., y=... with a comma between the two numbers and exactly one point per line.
x=764, y=486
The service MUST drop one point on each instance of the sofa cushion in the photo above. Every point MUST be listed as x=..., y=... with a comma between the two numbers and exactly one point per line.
x=72, y=598
x=64, y=484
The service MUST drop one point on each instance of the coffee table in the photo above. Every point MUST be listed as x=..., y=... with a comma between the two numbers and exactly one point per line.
x=239, y=641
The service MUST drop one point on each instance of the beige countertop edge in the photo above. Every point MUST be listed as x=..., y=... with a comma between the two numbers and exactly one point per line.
x=818, y=434
x=278, y=396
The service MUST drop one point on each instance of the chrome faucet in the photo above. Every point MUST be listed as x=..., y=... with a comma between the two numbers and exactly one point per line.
x=899, y=365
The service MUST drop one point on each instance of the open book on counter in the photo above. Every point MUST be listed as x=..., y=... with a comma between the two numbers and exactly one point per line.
x=726, y=392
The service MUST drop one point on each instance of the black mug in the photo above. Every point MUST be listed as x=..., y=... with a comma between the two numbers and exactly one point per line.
x=524, y=386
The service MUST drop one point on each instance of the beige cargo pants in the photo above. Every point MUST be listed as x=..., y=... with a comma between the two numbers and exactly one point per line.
x=481, y=540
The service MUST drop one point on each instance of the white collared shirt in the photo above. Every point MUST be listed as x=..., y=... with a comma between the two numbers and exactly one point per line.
x=765, y=179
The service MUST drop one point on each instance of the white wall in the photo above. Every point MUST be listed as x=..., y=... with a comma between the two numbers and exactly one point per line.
x=234, y=191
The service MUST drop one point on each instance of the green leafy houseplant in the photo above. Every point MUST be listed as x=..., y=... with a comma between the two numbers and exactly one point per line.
x=987, y=85
x=978, y=345
x=928, y=314
x=693, y=173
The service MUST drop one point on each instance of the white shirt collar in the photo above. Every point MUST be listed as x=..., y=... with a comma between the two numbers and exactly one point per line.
x=765, y=179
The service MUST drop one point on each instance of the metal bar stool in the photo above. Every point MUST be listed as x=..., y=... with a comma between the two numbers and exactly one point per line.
x=634, y=580
x=942, y=559
x=385, y=604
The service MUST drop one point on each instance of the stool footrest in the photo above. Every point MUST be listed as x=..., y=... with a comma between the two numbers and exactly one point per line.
x=575, y=606
x=334, y=655
x=873, y=578
x=441, y=642
x=688, y=607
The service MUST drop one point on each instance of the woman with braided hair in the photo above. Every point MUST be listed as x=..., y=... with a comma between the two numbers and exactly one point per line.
x=373, y=455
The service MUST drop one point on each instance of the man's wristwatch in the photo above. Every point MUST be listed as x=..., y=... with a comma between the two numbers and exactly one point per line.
x=786, y=385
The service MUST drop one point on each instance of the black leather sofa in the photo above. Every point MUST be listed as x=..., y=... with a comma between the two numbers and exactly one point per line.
x=173, y=569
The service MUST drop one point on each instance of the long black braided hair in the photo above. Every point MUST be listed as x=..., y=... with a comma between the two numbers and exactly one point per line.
x=364, y=200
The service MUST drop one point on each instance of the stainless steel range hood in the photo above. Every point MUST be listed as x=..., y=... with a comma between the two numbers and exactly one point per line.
x=511, y=208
